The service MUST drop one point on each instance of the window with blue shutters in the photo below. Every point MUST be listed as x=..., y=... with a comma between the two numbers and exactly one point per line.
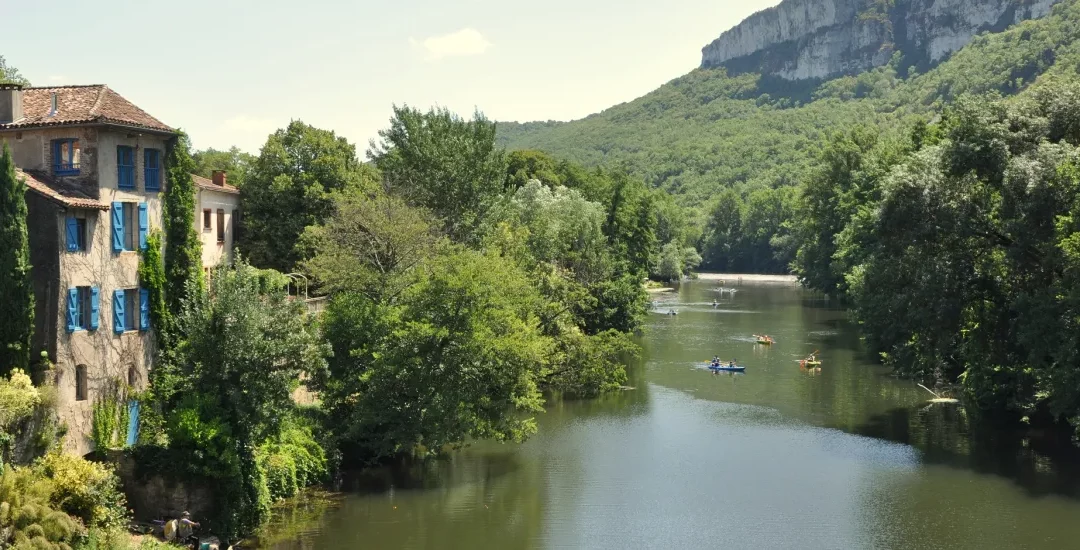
x=152, y=169
x=125, y=167
x=65, y=157
x=81, y=308
x=129, y=305
x=76, y=232
x=130, y=225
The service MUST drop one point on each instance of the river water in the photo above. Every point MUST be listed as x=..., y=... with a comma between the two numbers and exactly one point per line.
x=778, y=457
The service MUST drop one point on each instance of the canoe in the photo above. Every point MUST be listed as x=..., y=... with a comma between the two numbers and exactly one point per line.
x=726, y=368
x=812, y=363
x=765, y=342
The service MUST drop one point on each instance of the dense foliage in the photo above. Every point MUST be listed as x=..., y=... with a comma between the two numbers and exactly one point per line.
x=152, y=278
x=289, y=188
x=236, y=164
x=62, y=502
x=443, y=163
x=18, y=399
x=16, y=290
x=183, y=251
x=467, y=285
x=958, y=247
x=226, y=389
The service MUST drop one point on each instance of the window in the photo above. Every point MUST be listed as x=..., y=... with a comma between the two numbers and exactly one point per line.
x=131, y=304
x=77, y=240
x=206, y=216
x=220, y=225
x=82, y=308
x=152, y=169
x=125, y=167
x=80, y=383
x=65, y=153
x=130, y=225
x=131, y=310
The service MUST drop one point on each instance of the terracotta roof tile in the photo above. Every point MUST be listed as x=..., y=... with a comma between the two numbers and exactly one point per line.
x=206, y=183
x=67, y=195
x=95, y=103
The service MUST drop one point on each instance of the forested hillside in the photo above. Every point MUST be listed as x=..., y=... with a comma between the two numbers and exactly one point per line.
x=759, y=137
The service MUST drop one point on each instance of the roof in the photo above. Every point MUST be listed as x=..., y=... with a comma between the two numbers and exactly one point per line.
x=206, y=183
x=66, y=194
x=94, y=103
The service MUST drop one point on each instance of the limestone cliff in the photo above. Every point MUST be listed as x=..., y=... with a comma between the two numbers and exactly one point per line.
x=803, y=39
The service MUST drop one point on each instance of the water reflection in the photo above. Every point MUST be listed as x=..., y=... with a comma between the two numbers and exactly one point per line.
x=781, y=457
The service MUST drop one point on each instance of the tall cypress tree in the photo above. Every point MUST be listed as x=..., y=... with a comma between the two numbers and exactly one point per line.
x=16, y=290
x=183, y=250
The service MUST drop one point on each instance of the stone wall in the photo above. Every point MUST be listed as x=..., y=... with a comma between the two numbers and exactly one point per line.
x=158, y=496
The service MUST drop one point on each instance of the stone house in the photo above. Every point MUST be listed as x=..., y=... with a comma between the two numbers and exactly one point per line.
x=94, y=167
x=217, y=213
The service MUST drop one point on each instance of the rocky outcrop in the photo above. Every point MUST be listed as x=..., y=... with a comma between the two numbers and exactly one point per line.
x=804, y=39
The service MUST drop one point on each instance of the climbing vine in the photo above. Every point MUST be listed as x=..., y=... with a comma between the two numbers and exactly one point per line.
x=108, y=429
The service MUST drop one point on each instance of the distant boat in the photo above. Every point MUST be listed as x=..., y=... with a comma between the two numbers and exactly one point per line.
x=727, y=368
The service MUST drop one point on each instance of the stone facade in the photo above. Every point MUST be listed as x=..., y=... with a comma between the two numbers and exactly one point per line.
x=91, y=362
x=222, y=202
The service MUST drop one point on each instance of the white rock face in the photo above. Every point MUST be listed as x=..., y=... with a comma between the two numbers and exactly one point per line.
x=802, y=39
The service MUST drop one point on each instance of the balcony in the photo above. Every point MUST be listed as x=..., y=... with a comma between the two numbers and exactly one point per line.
x=66, y=169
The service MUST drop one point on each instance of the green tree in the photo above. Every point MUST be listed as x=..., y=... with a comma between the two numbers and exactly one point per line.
x=16, y=288
x=445, y=164
x=457, y=356
x=290, y=187
x=371, y=245
x=183, y=249
x=228, y=388
x=10, y=75
x=236, y=164
x=722, y=239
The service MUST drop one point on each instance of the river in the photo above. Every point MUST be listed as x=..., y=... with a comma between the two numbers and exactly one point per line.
x=778, y=457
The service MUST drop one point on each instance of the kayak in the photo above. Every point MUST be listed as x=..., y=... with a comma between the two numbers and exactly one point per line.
x=727, y=368
x=765, y=342
x=811, y=363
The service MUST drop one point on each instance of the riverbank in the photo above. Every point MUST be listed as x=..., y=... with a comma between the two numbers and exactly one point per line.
x=747, y=278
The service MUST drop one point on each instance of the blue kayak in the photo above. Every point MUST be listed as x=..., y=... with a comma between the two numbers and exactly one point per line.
x=727, y=368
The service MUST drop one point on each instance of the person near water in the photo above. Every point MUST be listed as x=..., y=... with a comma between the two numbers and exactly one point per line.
x=732, y=364
x=185, y=526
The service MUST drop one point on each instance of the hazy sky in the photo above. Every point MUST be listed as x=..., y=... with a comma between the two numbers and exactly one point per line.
x=230, y=72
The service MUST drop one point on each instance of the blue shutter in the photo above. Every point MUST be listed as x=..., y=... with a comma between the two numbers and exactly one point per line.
x=73, y=309
x=95, y=308
x=72, y=234
x=118, y=311
x=56, y=156
x=117, y=226
x=144, y=309
x=133, y=422
x=144, y=225
x=151, y=174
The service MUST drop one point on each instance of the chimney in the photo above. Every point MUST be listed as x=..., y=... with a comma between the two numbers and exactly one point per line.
x=11, y=107
x=219, y=178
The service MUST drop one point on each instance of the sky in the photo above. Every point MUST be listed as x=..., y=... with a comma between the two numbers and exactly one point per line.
x=230, y=72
